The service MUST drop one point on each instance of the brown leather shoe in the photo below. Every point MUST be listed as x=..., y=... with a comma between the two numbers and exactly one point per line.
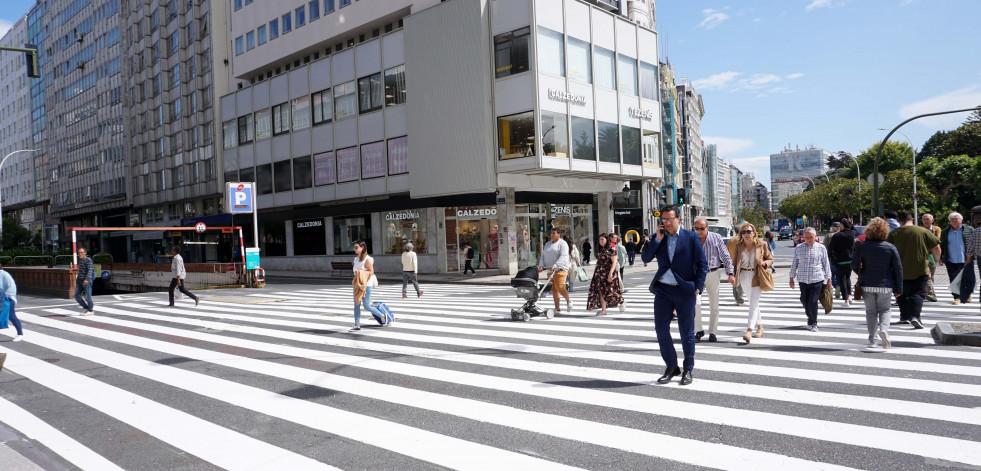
x=759, y=331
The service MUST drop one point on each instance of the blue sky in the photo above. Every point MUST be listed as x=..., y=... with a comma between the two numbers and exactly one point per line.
x=822, y=72
x=801, y=72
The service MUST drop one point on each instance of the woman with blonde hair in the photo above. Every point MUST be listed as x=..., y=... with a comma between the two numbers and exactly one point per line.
x=748, y=254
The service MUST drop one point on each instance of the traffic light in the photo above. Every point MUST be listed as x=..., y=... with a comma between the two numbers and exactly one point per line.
x=681, y=196
x=33, y=71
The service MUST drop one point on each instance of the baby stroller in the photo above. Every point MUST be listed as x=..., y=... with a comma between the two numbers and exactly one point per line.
x=526, y=286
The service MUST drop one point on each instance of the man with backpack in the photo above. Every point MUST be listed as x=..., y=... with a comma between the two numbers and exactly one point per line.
x=468, y=259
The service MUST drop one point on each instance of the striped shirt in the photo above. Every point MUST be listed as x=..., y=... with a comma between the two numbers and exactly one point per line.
x=810, y=264
x=716, y=253
x=86, y=271
x=974, y=245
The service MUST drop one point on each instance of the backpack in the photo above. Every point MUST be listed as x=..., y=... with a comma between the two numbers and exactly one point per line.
x=470, y=253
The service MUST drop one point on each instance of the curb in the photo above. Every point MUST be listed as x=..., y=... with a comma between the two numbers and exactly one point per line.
x=946, y=335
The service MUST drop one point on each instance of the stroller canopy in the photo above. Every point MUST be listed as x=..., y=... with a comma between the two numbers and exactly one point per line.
x=530, y=273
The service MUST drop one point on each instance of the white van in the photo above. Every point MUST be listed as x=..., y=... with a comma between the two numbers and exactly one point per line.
x=716, y=225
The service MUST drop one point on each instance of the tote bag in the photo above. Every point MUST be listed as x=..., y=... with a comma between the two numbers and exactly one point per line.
x=581, y=274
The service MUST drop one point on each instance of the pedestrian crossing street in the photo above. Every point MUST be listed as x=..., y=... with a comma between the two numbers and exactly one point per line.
x=274, y=380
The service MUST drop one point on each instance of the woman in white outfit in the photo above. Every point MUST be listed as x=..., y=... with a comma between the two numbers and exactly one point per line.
x=749, y=253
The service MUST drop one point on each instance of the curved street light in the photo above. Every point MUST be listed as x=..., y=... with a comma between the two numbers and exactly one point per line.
x=916, y=215
x=2, y=161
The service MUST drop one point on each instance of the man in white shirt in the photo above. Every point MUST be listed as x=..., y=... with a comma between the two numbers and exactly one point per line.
x=179, y=274
x=410, y=270
x=555, y=258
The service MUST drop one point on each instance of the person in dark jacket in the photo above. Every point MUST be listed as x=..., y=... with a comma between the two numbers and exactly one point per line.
x=587, y=250
x=840, y=251
x=881, y=278
x=631, y=247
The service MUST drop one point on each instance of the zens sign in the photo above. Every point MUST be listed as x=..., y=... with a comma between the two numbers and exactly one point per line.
x=638, y=113
x=562, y=95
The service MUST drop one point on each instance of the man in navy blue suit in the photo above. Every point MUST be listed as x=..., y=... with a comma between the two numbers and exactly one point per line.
x=680, y=277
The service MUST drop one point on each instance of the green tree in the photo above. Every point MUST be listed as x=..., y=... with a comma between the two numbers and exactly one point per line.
x=955, y=180
x=975, y=116
x=755, y=215
x=929, y=148
x=14, y=235
x=896, y=192
x=965, y=140
x=895, y=155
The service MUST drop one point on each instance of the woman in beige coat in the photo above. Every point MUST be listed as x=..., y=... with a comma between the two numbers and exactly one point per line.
x=749, y=253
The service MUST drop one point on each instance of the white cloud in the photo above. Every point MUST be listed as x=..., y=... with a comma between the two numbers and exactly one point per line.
x=760, y=80
x=712, y=18
x=5, y=26
x=758, y=166
x=729, y=145
x=818, y=4
x=967, y=97
x=715, y=82
x=794, y=76
x=756, y=20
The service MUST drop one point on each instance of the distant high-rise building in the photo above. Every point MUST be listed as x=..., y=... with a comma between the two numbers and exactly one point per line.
x=692, y=110
x=791, y=169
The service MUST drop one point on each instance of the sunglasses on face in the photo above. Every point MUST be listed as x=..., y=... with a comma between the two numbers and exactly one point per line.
x=700, y=229
x=745, y=232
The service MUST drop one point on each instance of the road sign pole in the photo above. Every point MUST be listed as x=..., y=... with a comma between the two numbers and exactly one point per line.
x=255, y=218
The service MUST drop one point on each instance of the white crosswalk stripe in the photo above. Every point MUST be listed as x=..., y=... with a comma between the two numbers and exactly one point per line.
x=455, y=384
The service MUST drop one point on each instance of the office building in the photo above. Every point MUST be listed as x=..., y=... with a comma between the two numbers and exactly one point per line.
x=691, y=109
x=358, y=120
x=793, y=169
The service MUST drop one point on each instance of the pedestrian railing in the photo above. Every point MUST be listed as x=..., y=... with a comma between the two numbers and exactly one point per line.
x=63, y=259
x=6, y=260
x=33, y=260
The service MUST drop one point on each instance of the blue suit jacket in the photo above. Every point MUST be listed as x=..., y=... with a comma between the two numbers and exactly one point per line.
x=689, y=264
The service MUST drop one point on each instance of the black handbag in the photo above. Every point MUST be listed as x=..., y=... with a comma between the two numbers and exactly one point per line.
x=857, y=292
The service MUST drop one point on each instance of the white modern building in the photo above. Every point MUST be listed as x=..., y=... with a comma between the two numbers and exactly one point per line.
x=440, y=123
x=793, y=169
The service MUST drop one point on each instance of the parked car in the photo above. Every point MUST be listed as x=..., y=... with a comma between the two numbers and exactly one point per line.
x=799, y=238
x=785, y=233
x=861, y=234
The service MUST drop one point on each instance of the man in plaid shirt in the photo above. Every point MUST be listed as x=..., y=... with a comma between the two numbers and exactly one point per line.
x=812, y=269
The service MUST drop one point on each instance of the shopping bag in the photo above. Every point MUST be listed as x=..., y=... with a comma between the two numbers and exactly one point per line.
x=765, y=277
x=581, y=274
x=955, y=284
x=827, y=298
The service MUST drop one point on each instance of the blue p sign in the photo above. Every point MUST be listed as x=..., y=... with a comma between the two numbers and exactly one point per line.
x=240, y=198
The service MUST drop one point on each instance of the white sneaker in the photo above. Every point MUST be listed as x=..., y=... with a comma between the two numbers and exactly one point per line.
x=622, y=307
x=885, y=339
x=88, y=313
x=18, y=338
x=568, y=306
x=871, y=345
x=82, y=313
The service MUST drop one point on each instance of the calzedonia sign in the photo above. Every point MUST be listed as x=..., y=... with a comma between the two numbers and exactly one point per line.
x=562, y=95
x=401, y=216
x=460, y=213
x=306, y=224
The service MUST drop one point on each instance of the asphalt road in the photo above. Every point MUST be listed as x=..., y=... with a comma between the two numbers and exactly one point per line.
x=271, y=379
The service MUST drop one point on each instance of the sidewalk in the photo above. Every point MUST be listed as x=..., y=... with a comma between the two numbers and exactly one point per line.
x=21, y=454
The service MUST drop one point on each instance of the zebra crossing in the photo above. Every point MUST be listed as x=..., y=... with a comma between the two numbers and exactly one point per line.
x=276, y=381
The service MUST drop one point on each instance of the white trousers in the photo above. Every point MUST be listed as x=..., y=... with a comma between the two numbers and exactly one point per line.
x=754, y=292
x=712, y=280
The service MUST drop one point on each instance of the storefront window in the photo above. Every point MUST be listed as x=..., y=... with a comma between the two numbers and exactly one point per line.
x=551, y=53
x=477, y=226
x=402, y=227
x=272, y=239
x=347, y=230
x=511, y=52
x=555, y=135
x=309, y=237
x=631, y=145
x=580, y=62
x=583, y=139
x=516, y=136
x=609, y=142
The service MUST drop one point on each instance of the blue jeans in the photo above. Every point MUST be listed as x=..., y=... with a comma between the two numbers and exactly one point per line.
x=85, y=302
x=13, y=318
x=367, y=305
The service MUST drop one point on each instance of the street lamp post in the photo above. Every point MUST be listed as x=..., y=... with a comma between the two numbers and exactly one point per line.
x=916, y=215
x=1, y=188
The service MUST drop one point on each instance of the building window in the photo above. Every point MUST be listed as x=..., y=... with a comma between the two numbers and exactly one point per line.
x=263, y=125
x=287, y=23
x=609, y=142
x=314, y=10
x=263, y=177
x=551, y=52
x=651, y=149
x=648, y=81
x=604, y=68
x=239, y=46
x=348, y=166
x=238, y=4
x=370, y=93
x=511, y=52
x=345, y=101
x=402, y=227
x=247, y=175
x=174, y=43
x=301, y=113
x=516, y=135
x=272, y=239
x=345, y=3
x=323, y=107
x=302, y=176
x=373, y=160
x=250, y=40
x=283, y=176
x=301, y=16
x=229, y=133
x=555, y=134
x=631, y=145
x=274, y=29
x=583, y=139
x=395, y=85
x=328, y=6
x=580, y=61
x=309, y=237
x=281, y=119
x=323, y=169
x=347, y=230
x=398, y=155
x=246, y=133
x=627, y=73
x=261, y=33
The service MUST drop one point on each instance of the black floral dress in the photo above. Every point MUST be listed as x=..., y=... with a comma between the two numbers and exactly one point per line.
x=601, y=287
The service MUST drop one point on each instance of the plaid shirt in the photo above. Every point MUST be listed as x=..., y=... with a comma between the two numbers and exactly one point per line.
x=974, y=245
x=810, y=264
x=716, y=253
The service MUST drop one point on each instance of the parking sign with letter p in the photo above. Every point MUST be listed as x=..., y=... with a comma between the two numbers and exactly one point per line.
x=238, y=198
